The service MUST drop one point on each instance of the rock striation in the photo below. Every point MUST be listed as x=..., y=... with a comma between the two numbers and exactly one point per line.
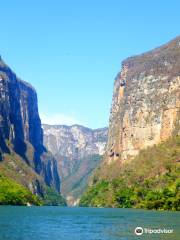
x=21, y=133
x=146, y=102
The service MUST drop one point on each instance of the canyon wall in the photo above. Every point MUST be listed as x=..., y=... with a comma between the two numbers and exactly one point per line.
x=146, y=102
x=20, y=130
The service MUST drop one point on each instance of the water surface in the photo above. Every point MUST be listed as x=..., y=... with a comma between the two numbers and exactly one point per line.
x=56, y=223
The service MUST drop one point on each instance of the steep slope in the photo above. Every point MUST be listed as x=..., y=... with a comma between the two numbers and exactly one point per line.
x=150, y=181
x=78, y=151
x=23, y=156
x=142, y=153
x=145, y=102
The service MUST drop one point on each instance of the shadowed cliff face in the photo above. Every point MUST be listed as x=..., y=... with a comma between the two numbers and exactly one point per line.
x=20, y=126
x=146, y=102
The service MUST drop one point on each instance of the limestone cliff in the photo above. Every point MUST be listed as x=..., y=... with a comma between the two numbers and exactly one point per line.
x=146, y=102
x=141, y=164
x=21, y=134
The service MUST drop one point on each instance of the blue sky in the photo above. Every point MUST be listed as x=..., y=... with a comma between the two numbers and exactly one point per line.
x=71, y=51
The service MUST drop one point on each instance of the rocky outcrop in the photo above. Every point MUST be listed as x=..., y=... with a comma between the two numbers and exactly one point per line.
x=146, y=102
x=20, y=128
x=78, y=151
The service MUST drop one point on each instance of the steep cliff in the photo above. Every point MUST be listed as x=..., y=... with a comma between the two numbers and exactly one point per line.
x=23, y=156
x=146, y=101
x=78, y=151
x=141, y=164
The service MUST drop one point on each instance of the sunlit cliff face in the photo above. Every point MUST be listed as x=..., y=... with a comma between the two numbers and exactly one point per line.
x=146, y=102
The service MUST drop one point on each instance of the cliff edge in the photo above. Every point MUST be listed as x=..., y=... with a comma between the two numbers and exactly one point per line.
x=146, y=102
x=22, y=154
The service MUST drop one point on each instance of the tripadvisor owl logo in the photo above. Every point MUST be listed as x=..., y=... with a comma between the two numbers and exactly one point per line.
x=138, y=231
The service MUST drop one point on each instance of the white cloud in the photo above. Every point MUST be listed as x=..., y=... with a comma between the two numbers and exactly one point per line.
x=58, y=119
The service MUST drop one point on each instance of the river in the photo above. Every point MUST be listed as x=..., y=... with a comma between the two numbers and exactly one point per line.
x=63, y=223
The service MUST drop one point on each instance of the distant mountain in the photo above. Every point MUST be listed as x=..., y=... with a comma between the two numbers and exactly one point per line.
x=23, y=158
x=78, y=151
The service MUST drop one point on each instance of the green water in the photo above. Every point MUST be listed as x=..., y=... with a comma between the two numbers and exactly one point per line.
x=55, y=223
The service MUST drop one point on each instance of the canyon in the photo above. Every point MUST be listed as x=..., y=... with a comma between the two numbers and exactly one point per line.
x=125, y=165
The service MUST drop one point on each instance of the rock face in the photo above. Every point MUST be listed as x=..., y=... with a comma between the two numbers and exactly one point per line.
x=20, y=128
x=77, y=150
x=146, y=102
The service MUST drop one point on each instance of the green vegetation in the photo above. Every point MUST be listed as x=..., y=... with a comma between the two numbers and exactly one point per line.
x=150, y=181
x=53, y=198
x=12, y=182
x=12, y=193
x=76, y=183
